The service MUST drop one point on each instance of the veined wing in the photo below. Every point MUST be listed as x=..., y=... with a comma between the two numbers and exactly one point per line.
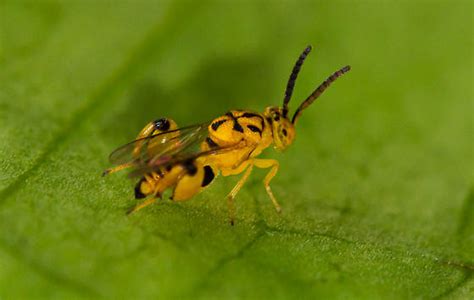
x=160, y=147
x=184, y=157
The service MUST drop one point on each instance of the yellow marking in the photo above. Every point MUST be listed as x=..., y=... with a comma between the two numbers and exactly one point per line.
x=147, y=186
x=145, y=132
x=188, y=185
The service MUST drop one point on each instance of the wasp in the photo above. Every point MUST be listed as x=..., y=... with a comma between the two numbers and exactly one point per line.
x=186, y=160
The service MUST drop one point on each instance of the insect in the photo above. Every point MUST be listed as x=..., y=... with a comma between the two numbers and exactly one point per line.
x=187, y=159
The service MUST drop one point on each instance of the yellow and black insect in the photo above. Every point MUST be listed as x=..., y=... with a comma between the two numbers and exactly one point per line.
x=187, y=159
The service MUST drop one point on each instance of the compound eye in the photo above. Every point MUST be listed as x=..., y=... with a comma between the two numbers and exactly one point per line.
x=285, y=133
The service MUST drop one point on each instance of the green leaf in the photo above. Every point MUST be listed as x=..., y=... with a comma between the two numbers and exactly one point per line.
x=377, y=191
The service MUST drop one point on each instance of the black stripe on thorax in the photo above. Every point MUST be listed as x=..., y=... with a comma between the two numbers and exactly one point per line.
x=250, y=115
x=211, y=143
x=254, y=115
x=255, y=129
x=217, y=124
x=237, y=126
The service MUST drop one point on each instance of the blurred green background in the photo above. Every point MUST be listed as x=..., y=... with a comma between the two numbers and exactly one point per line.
x=377, y=191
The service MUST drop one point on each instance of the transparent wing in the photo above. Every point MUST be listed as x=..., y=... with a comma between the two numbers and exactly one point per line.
x=161, y=147
x=183, y=157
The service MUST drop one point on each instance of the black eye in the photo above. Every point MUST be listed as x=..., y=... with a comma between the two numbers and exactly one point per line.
x=276, y=118
x=284, y=132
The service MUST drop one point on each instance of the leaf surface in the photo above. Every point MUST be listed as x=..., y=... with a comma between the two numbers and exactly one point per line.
x=377, y=191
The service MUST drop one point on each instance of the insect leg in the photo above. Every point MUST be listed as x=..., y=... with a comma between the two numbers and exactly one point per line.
x=274, y=165
x=117, y=168
x=235, y=190
x=142, y=205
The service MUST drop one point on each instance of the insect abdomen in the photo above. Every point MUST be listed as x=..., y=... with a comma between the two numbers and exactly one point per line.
x=197, y=177
x=186, y=180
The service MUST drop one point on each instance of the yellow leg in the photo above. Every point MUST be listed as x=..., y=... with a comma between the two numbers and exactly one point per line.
x=144, y=204
x=149, y=179
x=117, y=168
x=235, y=190
x=274, y=165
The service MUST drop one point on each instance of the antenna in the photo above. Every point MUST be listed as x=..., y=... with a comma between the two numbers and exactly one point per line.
x=291, y=81
x=321, y=88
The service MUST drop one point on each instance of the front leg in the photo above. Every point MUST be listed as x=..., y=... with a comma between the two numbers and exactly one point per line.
x=274, y=165
x=247, y=167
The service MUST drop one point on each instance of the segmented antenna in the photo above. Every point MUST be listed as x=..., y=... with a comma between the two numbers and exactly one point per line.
x=291, y=81
x=321, y=88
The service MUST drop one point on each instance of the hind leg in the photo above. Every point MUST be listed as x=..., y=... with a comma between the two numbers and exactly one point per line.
x=145, y=187
x=117, y=168
x=144, y=204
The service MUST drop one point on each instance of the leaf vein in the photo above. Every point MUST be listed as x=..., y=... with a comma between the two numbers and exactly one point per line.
x=50, y=274
x=102, y=95
x=465, y=279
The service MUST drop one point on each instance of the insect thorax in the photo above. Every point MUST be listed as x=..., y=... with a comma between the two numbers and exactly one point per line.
x=239, y=127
